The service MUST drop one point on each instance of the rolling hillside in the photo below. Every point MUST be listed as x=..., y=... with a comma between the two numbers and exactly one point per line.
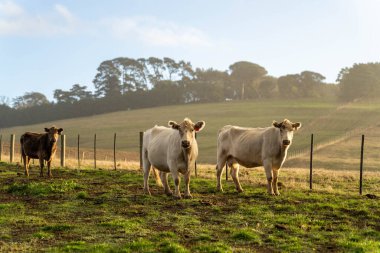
x=331, y=122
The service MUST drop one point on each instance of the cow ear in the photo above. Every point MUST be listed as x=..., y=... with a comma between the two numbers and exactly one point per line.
x=276, y=124
x=60, y=130
x=297, y=125
x=173, y=124
x=46, y=129
x=199, y=126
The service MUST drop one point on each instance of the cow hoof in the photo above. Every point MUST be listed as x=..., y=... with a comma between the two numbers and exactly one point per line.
x=147, y=192
x=277, y=193
x=188, y=196
x=177, y=197
x=219, y=188
x=169, y=194
x=239, y=190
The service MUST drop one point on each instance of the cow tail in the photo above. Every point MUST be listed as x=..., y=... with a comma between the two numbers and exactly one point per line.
x=157, y=177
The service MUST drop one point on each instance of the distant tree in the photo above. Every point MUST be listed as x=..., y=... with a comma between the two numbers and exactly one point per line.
x=246, y=76
x=171, y=66
x=310, y=84
x=207, y=86
x=289, y=85
x=75, y=94
x=29, y=99
x=268, y=87
x=360, y=81
x=107, y=80
x=5, y=100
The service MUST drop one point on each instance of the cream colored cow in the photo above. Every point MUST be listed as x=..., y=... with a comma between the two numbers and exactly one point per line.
x=171, y=150
x=253, y=147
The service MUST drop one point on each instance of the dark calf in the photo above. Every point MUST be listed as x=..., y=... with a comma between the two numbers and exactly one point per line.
x=39, y=146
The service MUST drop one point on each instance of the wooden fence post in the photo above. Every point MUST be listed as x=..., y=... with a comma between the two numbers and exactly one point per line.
x=94, y=151
x=114, y=151
x=195, y=163
x=1, y=146
x=78, y=155
x=311, y=162
x=361, y=167
x=12, y=148
x=141, y=147
x=63, y=150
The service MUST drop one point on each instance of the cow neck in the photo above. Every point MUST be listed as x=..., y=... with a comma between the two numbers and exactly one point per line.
x=49, y=146
x=187, y=155
x=283, y=150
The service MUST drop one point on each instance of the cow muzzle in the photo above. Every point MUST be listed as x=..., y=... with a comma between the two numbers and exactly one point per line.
x=286, y=142
x=185, y=144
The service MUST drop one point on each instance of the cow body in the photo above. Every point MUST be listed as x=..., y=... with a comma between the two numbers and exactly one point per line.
x=171, y=150
x=41, y=146
x=253, y=147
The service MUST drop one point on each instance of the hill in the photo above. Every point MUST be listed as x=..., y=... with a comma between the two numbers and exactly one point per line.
x=332, y=123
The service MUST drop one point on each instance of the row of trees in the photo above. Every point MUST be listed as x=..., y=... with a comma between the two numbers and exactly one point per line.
x=125, y=83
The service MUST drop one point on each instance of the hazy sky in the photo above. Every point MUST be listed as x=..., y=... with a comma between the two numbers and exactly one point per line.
x=47, y=45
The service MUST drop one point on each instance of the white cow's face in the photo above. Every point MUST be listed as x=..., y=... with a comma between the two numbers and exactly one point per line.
x=53, y=134
x=287, y=129
x=187, y=131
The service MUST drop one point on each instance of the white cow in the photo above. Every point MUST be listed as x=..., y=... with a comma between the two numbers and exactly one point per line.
x=171, y=150
x=253, y=147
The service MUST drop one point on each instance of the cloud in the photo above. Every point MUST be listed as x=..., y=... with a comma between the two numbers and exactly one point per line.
x=8, y=8
x=15, y=21
x=154, y=32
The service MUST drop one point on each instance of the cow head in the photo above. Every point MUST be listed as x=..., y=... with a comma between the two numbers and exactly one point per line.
x=53, y=133
x=287, y=129
x=187, y=131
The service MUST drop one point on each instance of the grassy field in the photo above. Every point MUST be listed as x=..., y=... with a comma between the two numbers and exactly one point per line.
x=330, y=121
x=106, y=211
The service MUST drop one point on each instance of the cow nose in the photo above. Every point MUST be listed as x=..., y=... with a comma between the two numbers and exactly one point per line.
x=185, y=144
x=286, y=142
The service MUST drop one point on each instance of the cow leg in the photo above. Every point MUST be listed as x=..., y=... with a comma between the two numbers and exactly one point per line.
x=146, y=178
x=42, y=164
x=219, y=171
x=187, y=185
x=49, y=171
x=26, y=164
x=176, y=178
x=164, y=179
x=235, y=176
x=269, y=174
x=274, y=183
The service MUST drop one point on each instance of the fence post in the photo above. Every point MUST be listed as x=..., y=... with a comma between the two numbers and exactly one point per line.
x=12, y=148
x=78, y=155
x=1, y=145
x=114, y=151
x=94, y=151
x=311, y=161
x=141, y=147
x=63, y=150
x=195, y=163
x=361, y=166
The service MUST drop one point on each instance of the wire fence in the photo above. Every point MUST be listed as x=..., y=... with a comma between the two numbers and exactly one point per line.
x=343, y=152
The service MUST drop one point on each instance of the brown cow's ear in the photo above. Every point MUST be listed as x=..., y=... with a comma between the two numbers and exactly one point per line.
x=60, y=130
x=173, y=124
x=297, y=125
x=276, y=124
x=199, y=126
x=47, y=130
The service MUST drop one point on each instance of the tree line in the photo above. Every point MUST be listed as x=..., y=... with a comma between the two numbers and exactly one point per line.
x=125, y=83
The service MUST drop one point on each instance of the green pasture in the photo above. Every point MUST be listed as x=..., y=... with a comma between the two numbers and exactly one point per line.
x=328, y=120
x=106, y=211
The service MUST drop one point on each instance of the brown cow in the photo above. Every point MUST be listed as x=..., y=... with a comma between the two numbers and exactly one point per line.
x=39, y=146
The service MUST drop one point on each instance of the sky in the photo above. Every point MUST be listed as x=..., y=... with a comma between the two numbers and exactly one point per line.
x=47, y=45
